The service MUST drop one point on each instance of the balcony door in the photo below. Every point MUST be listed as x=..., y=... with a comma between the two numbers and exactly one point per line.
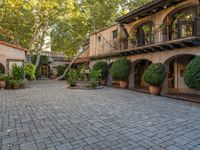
x=145, y=34
x=181, y=25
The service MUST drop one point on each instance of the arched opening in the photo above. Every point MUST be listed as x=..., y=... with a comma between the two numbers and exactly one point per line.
x=45, y=71
x=181, y=25
x=144, y=34
x=2, y=69
x=137, y=70
x=175, y=67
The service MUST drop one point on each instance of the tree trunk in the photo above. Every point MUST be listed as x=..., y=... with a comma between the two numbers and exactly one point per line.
x=37, y=63
x=37, y=60
x=69, y=66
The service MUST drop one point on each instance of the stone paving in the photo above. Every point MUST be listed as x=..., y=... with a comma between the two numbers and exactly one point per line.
x=48, y=116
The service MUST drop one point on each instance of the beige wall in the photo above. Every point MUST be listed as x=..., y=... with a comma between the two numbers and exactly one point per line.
x=7, y=53
x=99, y=48
x=165, y=57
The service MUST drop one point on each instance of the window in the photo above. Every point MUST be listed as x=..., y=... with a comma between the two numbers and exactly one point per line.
x=114, y=34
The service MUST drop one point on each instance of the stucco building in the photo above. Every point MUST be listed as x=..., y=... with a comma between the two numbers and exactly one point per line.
x=162, y=31
x=10, y=54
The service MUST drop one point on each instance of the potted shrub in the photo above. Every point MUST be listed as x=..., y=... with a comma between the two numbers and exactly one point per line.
x=14, y=84
x=7, y=80
x=192, y=74
x=2, y=82
x=95, y=77
x=103, y=67
x=120, y=71
x=72, y=78
x=17, y=72
x=155, y=76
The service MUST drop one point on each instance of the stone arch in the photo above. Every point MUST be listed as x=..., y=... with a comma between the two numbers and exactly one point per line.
x=178, y=8
x=175, y=67
x=170, y=24
x=138, y=23
x=137, y=69
x=170, y=56
x=2, y=69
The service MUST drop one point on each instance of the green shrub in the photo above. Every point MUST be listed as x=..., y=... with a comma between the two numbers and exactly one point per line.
x=155, y=74
x=72, y=78
x=30, y=71
x=93, y=83
x=17, y=72
x=95, y=75
x=60, y=70
x=121, y=69
x=13, y=83
x=192, y=74
x=5, y=78
x=21, y=83
x=102, y=65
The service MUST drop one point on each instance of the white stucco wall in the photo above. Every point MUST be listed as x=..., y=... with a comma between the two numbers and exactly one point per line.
x=9, y=53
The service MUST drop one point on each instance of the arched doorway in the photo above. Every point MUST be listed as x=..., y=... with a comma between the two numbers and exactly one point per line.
x=45, y=70
x=175, y=67
x=137, y=70
x=2, y=69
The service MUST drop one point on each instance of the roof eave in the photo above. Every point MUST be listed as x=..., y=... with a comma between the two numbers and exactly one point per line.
x=153, y=6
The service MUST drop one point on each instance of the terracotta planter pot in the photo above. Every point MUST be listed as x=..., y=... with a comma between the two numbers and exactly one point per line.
x=2, y=84
x=123, y=84
x=155, y=90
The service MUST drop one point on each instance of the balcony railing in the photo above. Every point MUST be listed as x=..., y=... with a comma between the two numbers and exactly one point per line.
x=182, y=29
x=181, y=35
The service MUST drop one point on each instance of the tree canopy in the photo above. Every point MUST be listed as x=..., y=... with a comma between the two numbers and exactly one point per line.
x=67, y=22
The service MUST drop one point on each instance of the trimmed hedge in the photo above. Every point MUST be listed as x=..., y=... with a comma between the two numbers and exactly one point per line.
x=155, y=74
x=101, y=65
x=121, y=69
x=192, y=74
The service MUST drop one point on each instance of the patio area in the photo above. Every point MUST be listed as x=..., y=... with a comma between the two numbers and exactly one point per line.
x=49, y=116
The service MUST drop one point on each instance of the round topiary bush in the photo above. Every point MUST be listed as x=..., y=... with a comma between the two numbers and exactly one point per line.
x=102, y=65
x=192, y=74
x=121, y=69
x=155, y=74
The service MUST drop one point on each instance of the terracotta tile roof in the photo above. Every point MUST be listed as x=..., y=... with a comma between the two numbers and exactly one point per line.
x=13, y=46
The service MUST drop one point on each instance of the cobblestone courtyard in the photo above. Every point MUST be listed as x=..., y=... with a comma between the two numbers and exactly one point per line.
x=50, y=116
